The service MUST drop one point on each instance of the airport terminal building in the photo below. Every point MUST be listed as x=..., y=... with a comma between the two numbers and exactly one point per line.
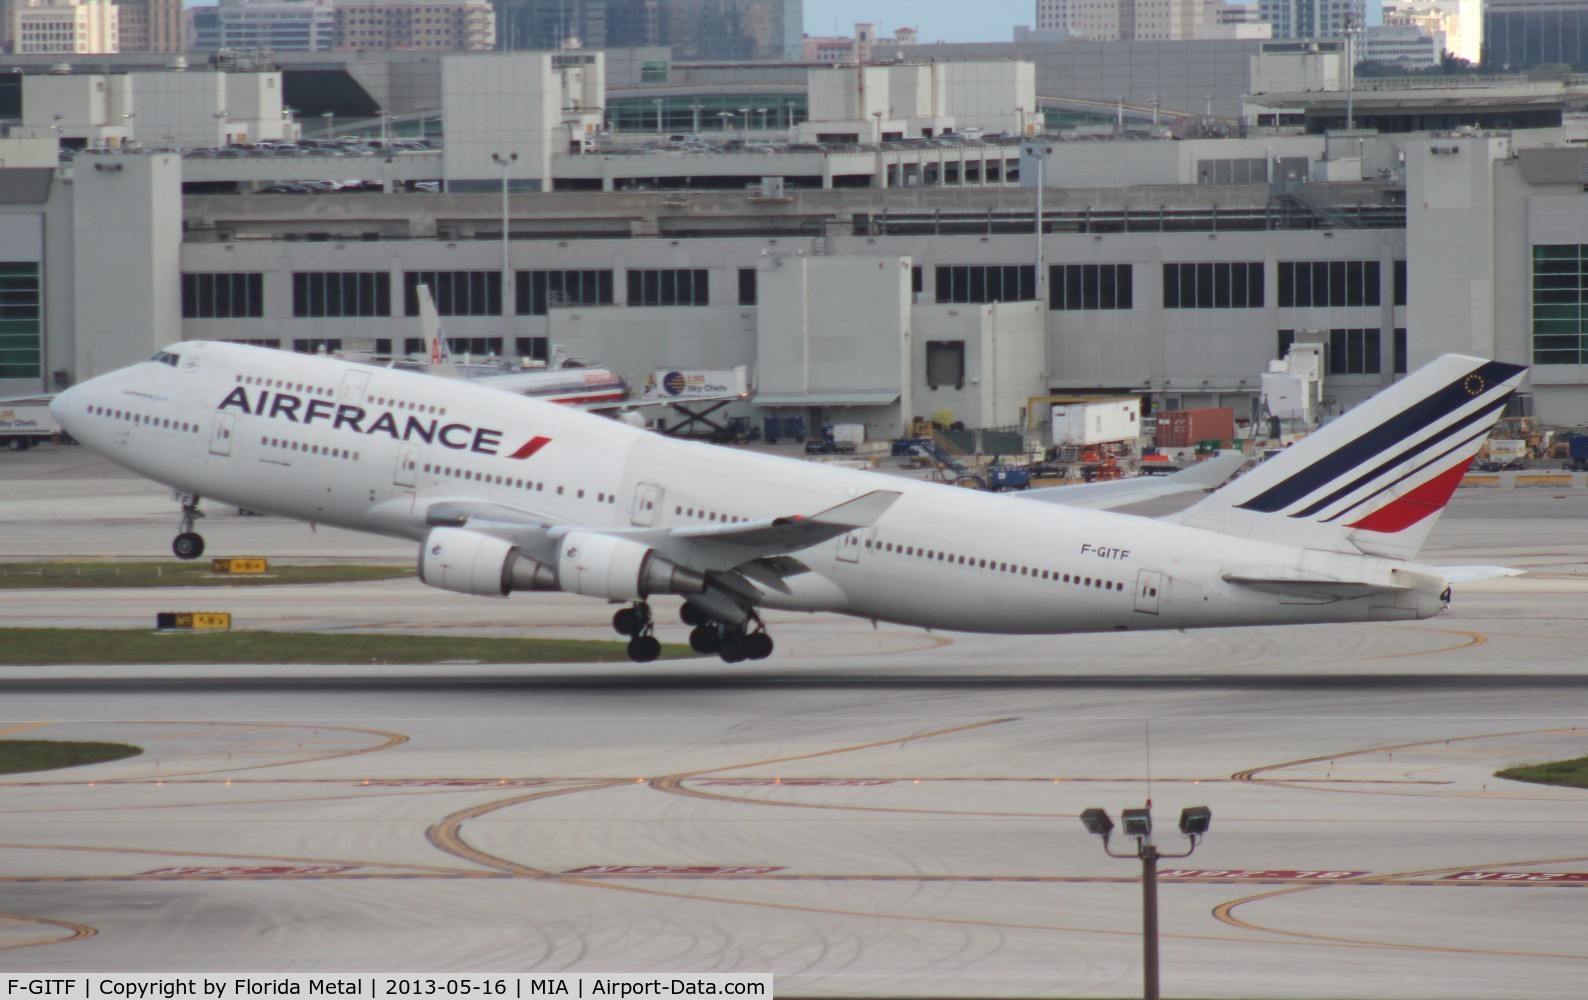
x=861, y=283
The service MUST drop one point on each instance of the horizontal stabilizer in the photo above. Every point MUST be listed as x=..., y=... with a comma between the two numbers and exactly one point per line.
x=1310, y=587
x=1467, y=574
x=1199, y=478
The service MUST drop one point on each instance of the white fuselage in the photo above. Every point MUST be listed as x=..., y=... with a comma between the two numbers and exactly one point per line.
x=369, y=449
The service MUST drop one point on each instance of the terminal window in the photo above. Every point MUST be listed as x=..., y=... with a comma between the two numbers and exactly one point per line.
x=538, y=291
x=318, y=294
x=456, y=293
x=1216, y=285
x=1354, y=352
x=1091, y=286
x=1328, y=283
x=236, y=295
x=21, y=325
x=1560, y=304
x=986, y=283
x=681, y=286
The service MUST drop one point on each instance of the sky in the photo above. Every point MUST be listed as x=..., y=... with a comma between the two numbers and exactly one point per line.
x=936, y=20
x=940, y=20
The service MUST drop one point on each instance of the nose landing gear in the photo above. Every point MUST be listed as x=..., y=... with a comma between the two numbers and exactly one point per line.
x=188, y=543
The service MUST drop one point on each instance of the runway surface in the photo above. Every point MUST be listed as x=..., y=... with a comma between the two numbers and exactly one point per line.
x=874, y=812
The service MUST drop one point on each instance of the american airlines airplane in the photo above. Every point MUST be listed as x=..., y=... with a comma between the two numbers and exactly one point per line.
x=504, y=493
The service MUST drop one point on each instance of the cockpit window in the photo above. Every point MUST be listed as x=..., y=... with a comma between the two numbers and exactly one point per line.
x=166, y=358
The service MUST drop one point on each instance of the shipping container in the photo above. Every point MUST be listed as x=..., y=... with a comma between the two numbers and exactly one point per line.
x=1185, y=428
x=1096, y=421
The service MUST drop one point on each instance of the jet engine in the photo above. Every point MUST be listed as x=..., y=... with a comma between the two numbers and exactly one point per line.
x=473, y=563
x=620, y=569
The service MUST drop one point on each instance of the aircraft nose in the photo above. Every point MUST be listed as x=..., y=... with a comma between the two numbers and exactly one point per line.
x=61, y=407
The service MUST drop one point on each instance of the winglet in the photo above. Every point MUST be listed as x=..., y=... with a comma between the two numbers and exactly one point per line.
x=860, y=512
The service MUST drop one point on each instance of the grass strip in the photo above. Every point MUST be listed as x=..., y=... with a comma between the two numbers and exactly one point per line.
x=61, y=647
x=17, y=756
x=46, y=575
x=1570, y=773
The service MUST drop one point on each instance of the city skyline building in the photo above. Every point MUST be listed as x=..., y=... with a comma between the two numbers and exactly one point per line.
x=1313, y=18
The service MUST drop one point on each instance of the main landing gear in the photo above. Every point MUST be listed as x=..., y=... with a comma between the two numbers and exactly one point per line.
x=189, y=544
x=734, y=643
x=635, y=622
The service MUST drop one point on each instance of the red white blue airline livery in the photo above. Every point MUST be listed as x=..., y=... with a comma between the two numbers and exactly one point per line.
x=503, y=493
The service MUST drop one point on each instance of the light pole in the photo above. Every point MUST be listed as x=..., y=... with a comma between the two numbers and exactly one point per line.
x=762, y=113
x=790, y=120
x=330, y=123
x=722, y=120
x=505, y=160
x=1155, y=99
x=658, y=102
x=746, y=126
x=1194, y=821
x=695, y=110
x=1351, y=29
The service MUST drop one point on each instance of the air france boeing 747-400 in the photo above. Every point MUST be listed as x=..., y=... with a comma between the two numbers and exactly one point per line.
x=504, y=493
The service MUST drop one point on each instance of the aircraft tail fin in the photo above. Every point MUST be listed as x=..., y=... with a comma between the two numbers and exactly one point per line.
x=1375, y=479
x=438, y=357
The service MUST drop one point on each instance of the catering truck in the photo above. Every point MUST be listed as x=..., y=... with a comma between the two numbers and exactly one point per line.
x=25, y=422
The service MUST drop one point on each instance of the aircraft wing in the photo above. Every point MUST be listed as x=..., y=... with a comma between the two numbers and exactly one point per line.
x=709, y=548
x=1199, y=478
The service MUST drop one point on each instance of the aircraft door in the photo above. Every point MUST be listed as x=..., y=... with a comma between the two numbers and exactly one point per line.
x=221, y=434
x=407, y=465
x=1148, y=583
x=849, y=547
x=353, y=385
x=647, y=501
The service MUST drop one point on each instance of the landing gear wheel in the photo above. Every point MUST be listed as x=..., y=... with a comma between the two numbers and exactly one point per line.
x=757, y=646
x=644, y=648
x=703, y=638
x=188, y=545
x=691, y=615
x=633, y=621
x=732, y=649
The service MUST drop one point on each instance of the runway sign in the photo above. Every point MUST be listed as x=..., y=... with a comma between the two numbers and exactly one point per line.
x=256, y=870
x=1248, y=873
x=668, y=870
x=239, y=565
x=1558, y=877
x=166, y=620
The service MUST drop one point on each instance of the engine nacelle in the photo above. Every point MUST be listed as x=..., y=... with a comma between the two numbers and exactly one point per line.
x=471, y=563
x=620, y=569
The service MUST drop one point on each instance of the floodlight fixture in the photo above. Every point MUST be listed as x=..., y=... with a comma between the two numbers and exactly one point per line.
x=1194, y=821
x=1138, y=822
x=1097, y=823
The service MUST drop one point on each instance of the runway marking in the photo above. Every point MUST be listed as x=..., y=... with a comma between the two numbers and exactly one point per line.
x=1474, y=640
x=1251, y=774
x=390, y=740
x=75, y=932
x=446, y=835
x=1225, y=911
x=271, y=858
